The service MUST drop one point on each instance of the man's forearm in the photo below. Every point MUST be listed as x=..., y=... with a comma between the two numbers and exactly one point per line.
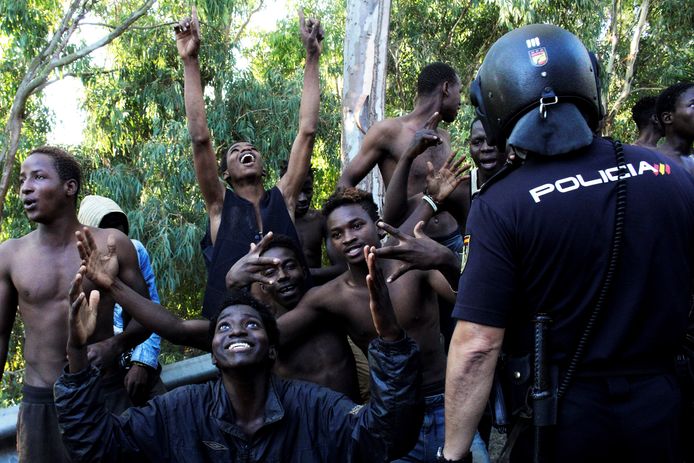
x=158, y=319
x=77, y=358
x=310, y=96
x=194, y=102
x=396, y=193
x=471, y=361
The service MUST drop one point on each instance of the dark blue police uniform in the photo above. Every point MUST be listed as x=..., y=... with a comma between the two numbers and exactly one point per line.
x=539, y=240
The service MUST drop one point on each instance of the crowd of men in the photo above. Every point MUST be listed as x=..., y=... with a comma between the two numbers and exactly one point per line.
x=555, y=273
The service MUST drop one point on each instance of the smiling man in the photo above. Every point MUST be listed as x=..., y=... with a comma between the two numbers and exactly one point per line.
x=351, y=221
x=244, y=215
x=248, y=414
x=34, y=272
x=274, y=265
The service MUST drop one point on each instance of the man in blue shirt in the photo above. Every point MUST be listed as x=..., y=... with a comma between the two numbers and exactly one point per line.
x=142, y=379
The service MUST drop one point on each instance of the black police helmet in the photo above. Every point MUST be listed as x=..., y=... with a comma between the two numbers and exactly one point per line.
x=535, y=62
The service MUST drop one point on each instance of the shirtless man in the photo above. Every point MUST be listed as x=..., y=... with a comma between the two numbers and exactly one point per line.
x=488, y=160
x=351, y=220
x=35, y=271
x=244, y=215
x=323, y=356
x=644, y=116
x=438, y=91
x=675, y=109
x=310, y=225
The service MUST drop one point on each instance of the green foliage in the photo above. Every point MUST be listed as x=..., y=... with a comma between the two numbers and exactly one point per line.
x=137, y=150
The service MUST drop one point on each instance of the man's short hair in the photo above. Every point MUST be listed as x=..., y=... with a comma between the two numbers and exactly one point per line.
x=283, y=241
x=65, y=164
x=284, y=165
x=667, y=100
x=643, y=110
x=433, y=75
x=241, y=297
x=351, y=195
x=475, y=120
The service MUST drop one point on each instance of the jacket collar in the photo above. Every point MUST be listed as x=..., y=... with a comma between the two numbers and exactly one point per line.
x=223, y=413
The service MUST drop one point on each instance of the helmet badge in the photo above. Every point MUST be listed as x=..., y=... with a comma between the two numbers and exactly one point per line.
x=538, y=54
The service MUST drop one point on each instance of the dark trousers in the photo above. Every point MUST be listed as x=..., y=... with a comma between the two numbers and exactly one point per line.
x=615, y=418
x=38, y=436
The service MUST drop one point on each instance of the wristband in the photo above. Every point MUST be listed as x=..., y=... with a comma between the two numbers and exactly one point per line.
x=135, y=362
x=441, y=459
x=427, y=199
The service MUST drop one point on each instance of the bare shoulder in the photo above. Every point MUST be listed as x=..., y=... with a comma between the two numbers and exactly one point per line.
x=101, y=236
x=9, y=249
x=388, y=128
x=314, y=216
x=328, y=295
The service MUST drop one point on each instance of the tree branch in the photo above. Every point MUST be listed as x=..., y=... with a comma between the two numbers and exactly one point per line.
x=48, y=50
x=449, y=38
x=84, y=51
x=614, y=40
x=248, y=19
x=138, y=28
x=631, y=61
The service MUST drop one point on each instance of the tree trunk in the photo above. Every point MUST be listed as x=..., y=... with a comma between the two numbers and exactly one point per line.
x=363, y=96
x=49, y=59
x=630, y=63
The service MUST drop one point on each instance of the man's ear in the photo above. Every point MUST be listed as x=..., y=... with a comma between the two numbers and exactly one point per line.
x=444, y=88
x=225, y=175
x=70, y=187
x=272, y=353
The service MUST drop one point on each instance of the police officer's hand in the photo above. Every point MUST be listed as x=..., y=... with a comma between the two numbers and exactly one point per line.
x=440, y=184
x=249, y=269
x=425, y=137
x=382, y=313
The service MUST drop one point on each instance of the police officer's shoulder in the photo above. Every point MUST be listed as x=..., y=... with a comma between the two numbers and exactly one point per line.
x=504, y=172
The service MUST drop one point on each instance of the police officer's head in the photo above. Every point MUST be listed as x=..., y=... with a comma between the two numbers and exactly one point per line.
x=538, y=89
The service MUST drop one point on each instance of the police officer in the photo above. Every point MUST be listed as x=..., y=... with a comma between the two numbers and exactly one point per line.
x=597, y=238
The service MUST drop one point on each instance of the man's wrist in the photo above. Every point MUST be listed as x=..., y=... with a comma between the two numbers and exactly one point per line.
x=440, y=458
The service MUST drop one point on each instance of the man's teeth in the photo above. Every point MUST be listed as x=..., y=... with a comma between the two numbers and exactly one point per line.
x=239, y=346
x=247, y=158
x=354, y=251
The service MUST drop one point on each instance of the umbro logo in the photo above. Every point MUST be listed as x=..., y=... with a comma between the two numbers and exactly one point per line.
x=215, y=445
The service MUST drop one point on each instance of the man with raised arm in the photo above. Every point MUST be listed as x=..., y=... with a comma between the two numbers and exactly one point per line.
x=35, y=270
x=438, y=91
x=322, y=356
x=244, y=215
x=248, y=414
x=352, y=224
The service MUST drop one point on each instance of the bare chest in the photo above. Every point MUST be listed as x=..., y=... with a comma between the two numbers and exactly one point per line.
x=414, y=309
x=41, y=276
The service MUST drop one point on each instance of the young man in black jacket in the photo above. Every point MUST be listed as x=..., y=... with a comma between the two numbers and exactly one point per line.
x=247, y=414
